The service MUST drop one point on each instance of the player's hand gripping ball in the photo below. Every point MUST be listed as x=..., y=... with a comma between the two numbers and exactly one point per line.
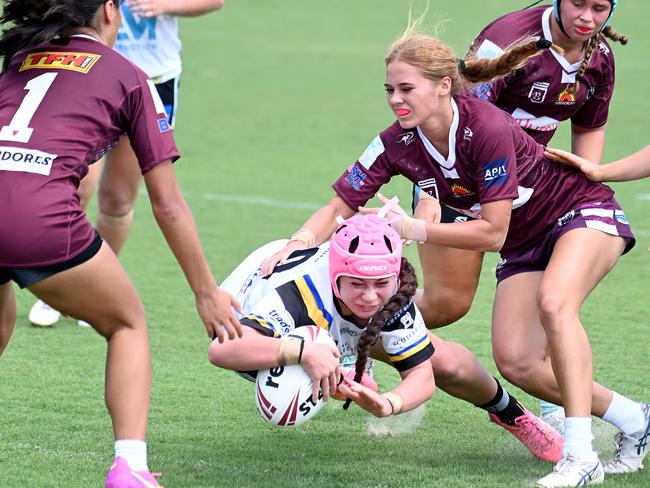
x=283, y=393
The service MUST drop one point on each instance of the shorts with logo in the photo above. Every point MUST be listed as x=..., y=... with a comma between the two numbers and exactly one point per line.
x=25, y=277
x=607, y=217
x=448, y=215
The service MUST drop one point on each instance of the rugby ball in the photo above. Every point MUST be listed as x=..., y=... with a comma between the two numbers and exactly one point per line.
x=283, y=393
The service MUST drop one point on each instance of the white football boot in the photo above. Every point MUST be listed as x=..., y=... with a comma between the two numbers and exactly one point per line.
x=630, y=449
x=574, y=470
x=42, y=315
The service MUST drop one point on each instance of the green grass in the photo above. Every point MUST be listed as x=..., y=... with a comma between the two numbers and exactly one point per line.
x=277, y=98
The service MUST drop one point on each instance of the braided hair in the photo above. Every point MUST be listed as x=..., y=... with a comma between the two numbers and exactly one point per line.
x=435, y=60
x=407, y=288
x=590, y=47
x=33, y=22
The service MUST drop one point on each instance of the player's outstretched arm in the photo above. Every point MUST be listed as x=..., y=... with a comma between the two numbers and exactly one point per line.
x=180, y=8
x=214, y=305
x=318, y=228
x=633, y=167
x=417, y=386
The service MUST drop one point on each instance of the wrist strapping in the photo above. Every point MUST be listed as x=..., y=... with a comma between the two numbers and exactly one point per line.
x=289, y=352
x=395, y=400
x=304, y=235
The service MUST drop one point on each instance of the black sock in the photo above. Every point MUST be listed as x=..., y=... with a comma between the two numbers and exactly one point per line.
x=504, y=406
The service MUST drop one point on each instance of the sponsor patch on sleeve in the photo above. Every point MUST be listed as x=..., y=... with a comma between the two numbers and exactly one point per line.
x=79, y=62
x=495, y=172
x=488, y=50
x=163, y=125
x=372, y=152
x=355, y=177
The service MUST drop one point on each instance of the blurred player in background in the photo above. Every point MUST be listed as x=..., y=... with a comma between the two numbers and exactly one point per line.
x=149, y=38
x=360, y=289
x=66, y=97
x=558, y=233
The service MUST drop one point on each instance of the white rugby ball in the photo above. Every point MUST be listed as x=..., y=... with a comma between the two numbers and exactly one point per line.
x=283, y=393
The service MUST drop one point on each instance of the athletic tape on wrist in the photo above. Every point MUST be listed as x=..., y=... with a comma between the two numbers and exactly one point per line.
x=289, y=352
x=304, y=235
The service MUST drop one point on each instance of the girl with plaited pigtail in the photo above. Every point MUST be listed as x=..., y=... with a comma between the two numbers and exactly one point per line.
x=364, y=289
x=558, y=235
x=408, y=284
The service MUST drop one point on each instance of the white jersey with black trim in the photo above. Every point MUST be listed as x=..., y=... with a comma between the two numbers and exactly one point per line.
x=151, y=43
x=299, y=293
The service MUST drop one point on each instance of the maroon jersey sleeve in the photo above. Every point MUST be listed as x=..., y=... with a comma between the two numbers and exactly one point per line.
x=145, y=121
x=364, y=178
x=594, y=112
x=495, y=159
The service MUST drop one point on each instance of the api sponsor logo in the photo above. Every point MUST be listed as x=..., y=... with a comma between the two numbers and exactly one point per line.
x=355, y=177
x=79, y=62
x=538, y=91
x=26, y=160
x=565, y=97
x=460, y=190
x=407, y=138
x=495, y=172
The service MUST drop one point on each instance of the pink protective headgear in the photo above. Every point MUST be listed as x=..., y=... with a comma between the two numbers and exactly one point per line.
x=364, y=246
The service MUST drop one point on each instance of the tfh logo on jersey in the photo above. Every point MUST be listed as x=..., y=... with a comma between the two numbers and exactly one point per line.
x=538, y=91
x=495, y=172
x=407, y=138
x=79, y=62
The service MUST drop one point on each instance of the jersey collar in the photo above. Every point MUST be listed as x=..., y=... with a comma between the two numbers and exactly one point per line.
x=447, y=165
x=568, y=70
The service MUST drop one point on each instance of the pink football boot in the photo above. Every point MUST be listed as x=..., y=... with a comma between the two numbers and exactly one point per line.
x=122, y=476
x=539, y=438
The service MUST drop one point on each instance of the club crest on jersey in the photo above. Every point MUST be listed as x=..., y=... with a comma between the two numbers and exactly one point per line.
x=460, y=190
x=79, y=62
x=538, y=91
x=495, y=172
x=429, y=185
x=565, y=98
x=407, y=138
x=355, y=177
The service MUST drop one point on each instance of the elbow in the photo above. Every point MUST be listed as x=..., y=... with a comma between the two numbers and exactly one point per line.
x=495, y=241
x=214, y=353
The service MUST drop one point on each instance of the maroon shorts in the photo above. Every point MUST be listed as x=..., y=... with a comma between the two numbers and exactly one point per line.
x=606, y=217
x=25, y=277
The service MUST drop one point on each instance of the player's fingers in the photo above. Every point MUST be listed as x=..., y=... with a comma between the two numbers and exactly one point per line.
x=367, y=211
x=382, y=198
x=325, y=388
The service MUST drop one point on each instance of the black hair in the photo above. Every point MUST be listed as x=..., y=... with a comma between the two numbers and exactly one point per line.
x=33, y=22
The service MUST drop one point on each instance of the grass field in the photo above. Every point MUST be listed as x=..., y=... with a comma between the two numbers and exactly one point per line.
x=277, y=99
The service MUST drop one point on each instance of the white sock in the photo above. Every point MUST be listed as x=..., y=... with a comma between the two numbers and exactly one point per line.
x=625, y=414
x=577, y=436
x=134, y=452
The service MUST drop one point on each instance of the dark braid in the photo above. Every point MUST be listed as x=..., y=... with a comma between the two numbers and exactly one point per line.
x=33, y=22
x=610, y=33
x=475, y=69
x=407, y=288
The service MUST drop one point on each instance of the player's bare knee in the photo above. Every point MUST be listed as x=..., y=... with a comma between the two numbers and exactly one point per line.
x=115, y=203
x=514, y=367
x=554, y=312
x=446, y=370
x=442, y=309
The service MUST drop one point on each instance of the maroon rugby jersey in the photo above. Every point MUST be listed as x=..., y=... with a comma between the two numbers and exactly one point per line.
x=490, y=159
x=536, y=95
x=63, y=107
